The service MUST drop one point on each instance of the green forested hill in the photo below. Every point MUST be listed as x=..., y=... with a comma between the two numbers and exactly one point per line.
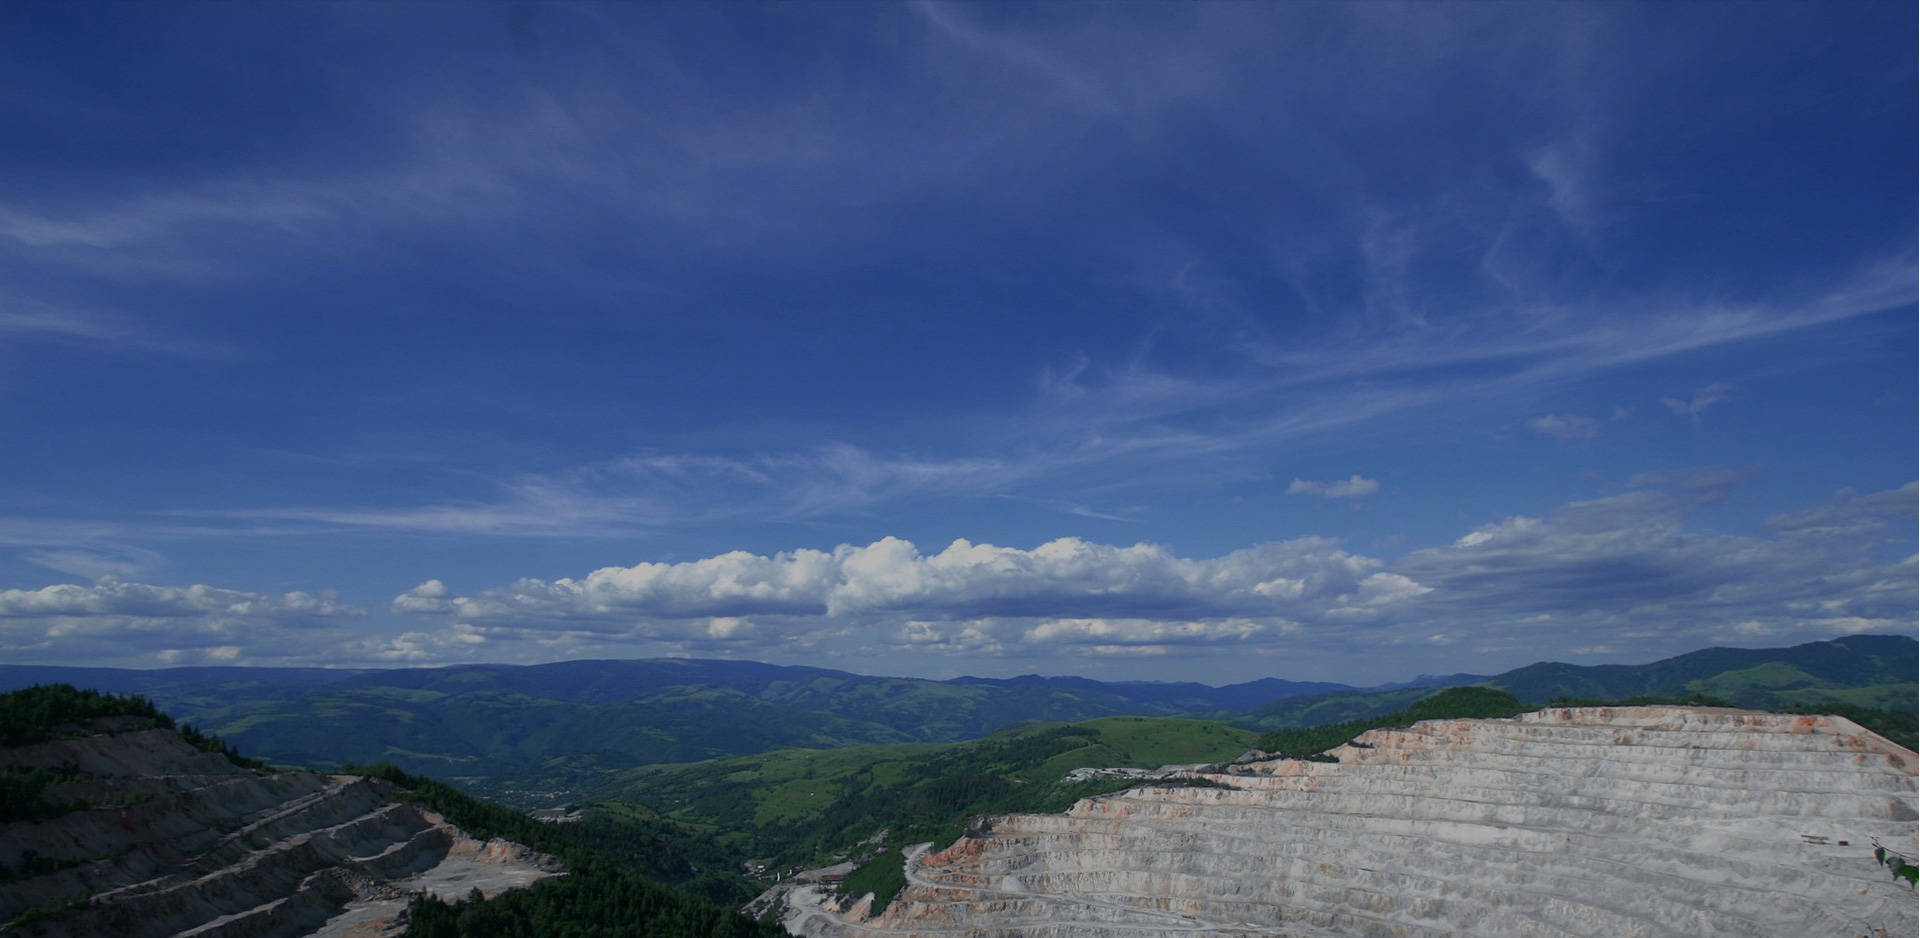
x=608, y=889
x=1871, y=671
x=1863, y=670
x=530, y=734
x=795, y=807
x=511, y=730
x=603, y=894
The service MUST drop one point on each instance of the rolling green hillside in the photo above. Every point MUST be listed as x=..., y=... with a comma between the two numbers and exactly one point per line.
x=794, y=807
x=525, y=733
x=536, y=734
x=1865, y=670
x=1450, y=704
x=1869, y=671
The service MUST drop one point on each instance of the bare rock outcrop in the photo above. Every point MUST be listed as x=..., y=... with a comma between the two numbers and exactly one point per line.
x=167, y=840
x=1643, y=821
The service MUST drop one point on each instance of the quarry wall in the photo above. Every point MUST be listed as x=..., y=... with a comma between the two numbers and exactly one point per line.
x=180, y=842
x=1644, y=821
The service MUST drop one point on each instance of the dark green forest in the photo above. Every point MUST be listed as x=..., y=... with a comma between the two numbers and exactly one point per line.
x=606, y=891
x=1454, y=703
x=601, y=896
x=55, y=711
x=52, y=711
x=796, y=808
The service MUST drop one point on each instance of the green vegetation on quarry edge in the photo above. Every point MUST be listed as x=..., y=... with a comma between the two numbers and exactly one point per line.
x=61, y=711
x=1478, y=702
x=799, y=807
x=57, y=711
x=600, y=895
x=46, y=712
x=1900, y=726
x=884, y=875
x=1454, y=703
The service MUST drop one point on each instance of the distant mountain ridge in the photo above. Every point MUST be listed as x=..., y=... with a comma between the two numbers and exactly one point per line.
x=175, y=681
x=564, y=725
x=1745, y=676
x=1181, y=696
x=1872, y=671
x=569, y=721
x=610, y=680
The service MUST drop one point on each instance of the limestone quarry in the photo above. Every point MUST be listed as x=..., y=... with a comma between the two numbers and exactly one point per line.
x=177, y=841
x=1616, y=822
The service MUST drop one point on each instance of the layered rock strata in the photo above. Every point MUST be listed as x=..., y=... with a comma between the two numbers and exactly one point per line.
x=173, y=841
x=1646, y=821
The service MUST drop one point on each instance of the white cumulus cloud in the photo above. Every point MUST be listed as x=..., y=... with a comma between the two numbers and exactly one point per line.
x=116, y=620
x=891, y=576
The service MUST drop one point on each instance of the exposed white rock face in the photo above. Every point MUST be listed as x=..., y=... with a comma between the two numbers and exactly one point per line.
x=183, y=842
x=1643, y=821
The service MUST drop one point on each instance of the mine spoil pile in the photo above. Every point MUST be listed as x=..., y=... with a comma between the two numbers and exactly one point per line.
x=1616, y=822
x=169, y=840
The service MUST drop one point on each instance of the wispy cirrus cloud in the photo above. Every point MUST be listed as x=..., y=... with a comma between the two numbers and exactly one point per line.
x=1694, y=406
x=1565, y=427
x=26, y=321
x=650, y=491
x=920, y=267
x=98, y=561
x=568, y=155
x=1283, y=390
x=1353, y=486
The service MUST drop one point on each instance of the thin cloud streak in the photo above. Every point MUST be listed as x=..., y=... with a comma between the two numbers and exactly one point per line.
x=26, y=321
x=1352, y=487
x=1110, y=435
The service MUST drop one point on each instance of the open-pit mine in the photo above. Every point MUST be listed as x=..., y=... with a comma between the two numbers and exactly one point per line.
x=1606, y=822
x=168, y=840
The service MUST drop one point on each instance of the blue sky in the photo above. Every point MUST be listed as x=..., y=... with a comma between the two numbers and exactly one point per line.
x=1178, y=341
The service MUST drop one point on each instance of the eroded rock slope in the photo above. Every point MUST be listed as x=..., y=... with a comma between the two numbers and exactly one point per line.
x=1653, y=821
x=167, y=840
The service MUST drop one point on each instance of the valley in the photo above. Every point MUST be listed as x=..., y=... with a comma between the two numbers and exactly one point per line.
x=539, y=735
x=719, y=831
x=959, y=469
